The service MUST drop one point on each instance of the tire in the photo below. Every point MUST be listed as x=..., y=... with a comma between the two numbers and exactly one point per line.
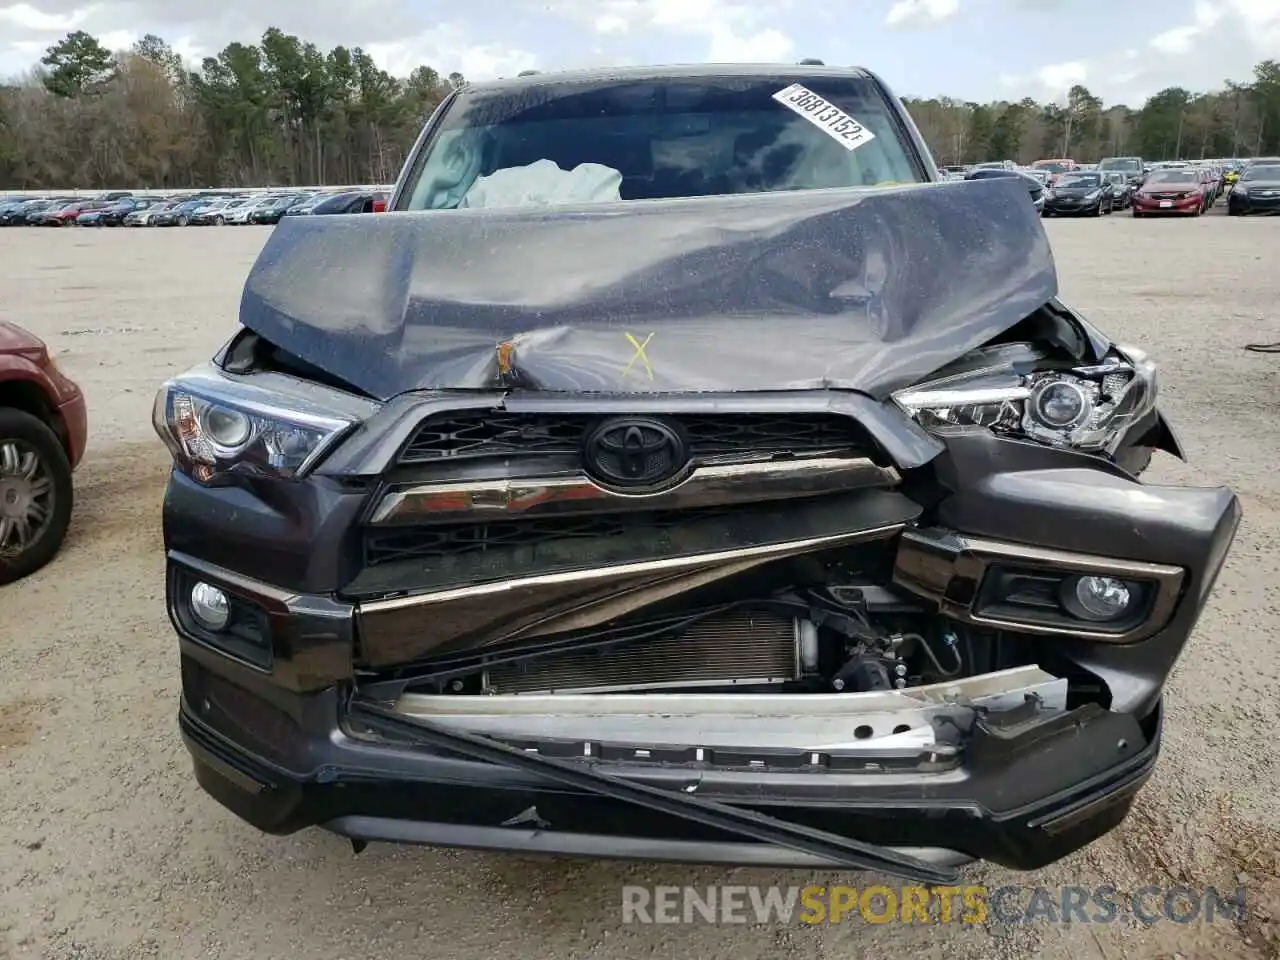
x=184, y=221
x=219, y=221
x=1136, y=214
x=1098, y=212
x=23, y=436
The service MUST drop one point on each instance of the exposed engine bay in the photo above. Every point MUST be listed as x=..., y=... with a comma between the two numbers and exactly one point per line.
x=811, y=673
x=847, y=637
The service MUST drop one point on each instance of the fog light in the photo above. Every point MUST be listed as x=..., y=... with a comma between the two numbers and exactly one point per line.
x=210, y=606
x=1097, y=598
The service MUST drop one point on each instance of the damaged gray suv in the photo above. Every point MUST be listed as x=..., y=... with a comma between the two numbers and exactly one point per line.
x=680, y=470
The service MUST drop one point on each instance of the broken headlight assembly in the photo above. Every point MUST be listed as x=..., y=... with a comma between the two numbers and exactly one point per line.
x=215, y=425
x=1088, y=408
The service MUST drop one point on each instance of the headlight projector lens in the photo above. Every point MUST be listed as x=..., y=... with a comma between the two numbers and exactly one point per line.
x=227, y=428
x=1060, y=405
x=1097, y=599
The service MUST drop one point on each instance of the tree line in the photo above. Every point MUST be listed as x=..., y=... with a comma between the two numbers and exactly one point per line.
x=1240, y=120
x=284, y=112
x=279, y=112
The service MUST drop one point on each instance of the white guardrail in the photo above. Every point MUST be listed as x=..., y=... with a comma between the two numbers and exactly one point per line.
x=191, y=191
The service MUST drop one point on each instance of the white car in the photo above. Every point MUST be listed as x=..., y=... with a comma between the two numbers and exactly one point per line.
x=241, y=214
x=142, y=218
x=216, y=211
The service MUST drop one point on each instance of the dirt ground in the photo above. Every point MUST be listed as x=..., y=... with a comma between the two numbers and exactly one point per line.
x=108, y=851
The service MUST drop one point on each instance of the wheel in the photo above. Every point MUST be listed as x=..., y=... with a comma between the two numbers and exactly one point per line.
x=219, y=221
x=1098, y=211
x=183, y=220
x=1136, y=214
x=35, y=494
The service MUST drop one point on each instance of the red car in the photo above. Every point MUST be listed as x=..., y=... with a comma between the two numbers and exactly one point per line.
x=1181, y=190
x=43, y=430
x=65, y=215
x=1055, y=168
x=1209, y=184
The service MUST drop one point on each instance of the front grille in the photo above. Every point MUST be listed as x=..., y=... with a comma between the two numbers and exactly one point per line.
x=496, y=433
x=441, y=542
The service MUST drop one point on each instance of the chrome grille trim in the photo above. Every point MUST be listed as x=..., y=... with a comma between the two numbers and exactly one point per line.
x=705, y=486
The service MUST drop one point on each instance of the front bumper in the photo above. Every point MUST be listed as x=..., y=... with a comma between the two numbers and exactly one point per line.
x=1058, y=207
x=1188, y=205
x=297, y=743
x=1254, y=203
x=1022, y=801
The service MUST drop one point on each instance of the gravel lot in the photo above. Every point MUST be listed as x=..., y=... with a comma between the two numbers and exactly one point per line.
x=108, y=850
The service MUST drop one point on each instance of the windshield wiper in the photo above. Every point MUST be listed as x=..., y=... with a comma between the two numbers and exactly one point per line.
x=747, y=823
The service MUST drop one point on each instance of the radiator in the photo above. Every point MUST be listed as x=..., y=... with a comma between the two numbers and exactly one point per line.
x=742, y=647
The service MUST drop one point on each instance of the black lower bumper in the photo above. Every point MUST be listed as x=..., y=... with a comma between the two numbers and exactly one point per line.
x=1072, y=209
x=1254, y=205
x=1021, y=799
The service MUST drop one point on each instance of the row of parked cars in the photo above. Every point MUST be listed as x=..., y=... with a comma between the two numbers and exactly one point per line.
x=1063, y=187
x=207, y=209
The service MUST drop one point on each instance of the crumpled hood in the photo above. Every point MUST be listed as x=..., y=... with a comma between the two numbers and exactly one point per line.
x=866, y=290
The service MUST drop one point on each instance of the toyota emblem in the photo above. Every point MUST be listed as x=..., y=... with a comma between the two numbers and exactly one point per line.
x=635, y=452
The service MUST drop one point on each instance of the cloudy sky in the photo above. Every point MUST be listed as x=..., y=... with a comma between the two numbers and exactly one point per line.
x=973, y=49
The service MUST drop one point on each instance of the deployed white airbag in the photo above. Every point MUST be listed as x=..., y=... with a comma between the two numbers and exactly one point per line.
x=543, y=184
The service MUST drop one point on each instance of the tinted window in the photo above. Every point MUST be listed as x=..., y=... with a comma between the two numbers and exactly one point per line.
x=1079, y=180
x=341, y=203
x=1173, y=176
x=1121, y=163
x=667, y=138
x=1262, y=173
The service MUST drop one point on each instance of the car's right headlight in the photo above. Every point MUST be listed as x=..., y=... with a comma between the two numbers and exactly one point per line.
x=215, y=424
x=1088, y=408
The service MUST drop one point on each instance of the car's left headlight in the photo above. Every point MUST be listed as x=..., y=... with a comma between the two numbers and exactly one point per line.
x=1088, y=408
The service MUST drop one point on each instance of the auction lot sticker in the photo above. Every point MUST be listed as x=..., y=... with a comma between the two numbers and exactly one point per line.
x=827, y=117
